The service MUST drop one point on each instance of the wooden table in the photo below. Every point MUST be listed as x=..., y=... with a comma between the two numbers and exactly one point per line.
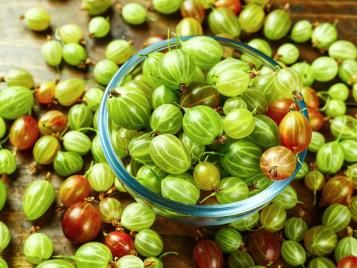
x=20, y=47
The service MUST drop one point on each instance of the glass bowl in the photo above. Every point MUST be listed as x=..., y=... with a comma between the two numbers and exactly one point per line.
x=194, y=214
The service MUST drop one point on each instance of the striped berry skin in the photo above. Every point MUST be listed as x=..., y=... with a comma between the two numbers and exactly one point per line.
x=347, y=246
x=45, y=149
x=137, y=217
x=180, y=189
x=222, y=20
x=228, y=239
x=129, y=109
x=93, y=254
x=205, y=51
x=166, y=118
x=242, y=159
x=148, y=243
x=202, y=124
x=176, y=69
x=76, y=141
x=293, y=253
x=170, y=154
x=15, y=101
x=37, y=198
x=100, y=177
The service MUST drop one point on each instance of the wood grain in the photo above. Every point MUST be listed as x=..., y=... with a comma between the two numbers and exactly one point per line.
x=20, y=47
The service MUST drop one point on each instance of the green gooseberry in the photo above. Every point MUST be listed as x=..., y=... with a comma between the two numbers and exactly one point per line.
x=223, y=20
x=349, y=148
x=344, y=126
x=69, y=91
x=100, y=177
x=324, y=35
x=5, y=236
x=335, y=108
x=52, y=53
x=74, y=54
x=277, y=24
x=293, y=253
x=7, y=162
x=330, y=157
x=76, y=141
x=96, y=7
x=295, y=229
x=92, y=97
x=320, y=240
x=139, y=85
x=3, y=263
x=317, y=140
x=228, y=239
x=150, y=70
x=171, y=63
x=288, y=53
x=2, y=127
x=347, y=71
x=321, y=262
x=273, y=217
x=15, y=101
x=347, y=246
x=337, y=217
x=189, y=26
x=305, y=71
x=129, y=261
x=69, y=33
x=97, y=151
x=239, y=123
x=163, y=95
x=338, y=91
x=67, y=163
x=247, y=223
x=261, y=45
x=301, y=31
x=241, y=259
x=304, y=169
x=92, y=254
x=234, y=103
x=205, y=51
x=134, y=13
x=45, y=149
x=251, y=18
x=148, y=243
x=19, y=77
x=287, y=199
x=286, y=81
x=167, y=118
x=37, y=199
x=99, y=27
x=324, y=69
x=153, y=262
x=38, y=247
x=79, y=116
x=104, y=71
x=342, y=50
x=231, y=189
x=166, y=6
x=119, y=51
x=37, y=19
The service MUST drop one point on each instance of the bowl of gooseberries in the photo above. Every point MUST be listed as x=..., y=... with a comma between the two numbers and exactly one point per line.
x=204, y=129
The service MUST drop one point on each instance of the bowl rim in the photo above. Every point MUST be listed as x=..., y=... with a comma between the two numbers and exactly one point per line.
x=216, y=211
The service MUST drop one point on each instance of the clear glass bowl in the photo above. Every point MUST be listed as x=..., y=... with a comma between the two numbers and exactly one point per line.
x=194, y=214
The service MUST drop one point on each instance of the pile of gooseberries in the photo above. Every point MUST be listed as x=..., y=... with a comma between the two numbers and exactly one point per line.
x=196, y=124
